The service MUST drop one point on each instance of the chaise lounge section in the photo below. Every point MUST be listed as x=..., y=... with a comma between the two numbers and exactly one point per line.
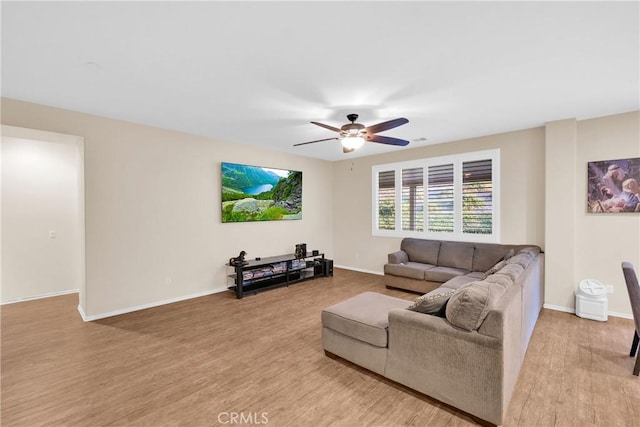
x=468, y=353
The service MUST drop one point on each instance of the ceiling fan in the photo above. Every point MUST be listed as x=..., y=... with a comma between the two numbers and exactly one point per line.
x=353, y=135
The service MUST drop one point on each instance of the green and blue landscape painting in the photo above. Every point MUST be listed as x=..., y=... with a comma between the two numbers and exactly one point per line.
x=253, y=193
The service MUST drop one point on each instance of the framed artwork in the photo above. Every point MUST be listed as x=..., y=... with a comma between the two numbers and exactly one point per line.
x=613, y=186
x=255, y=193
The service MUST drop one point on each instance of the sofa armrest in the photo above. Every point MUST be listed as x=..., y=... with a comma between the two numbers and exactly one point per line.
x=398, y=257
x=422, y=326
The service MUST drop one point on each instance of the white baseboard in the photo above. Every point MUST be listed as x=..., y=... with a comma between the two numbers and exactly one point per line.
x=81, y=311
x=623, y=315
x=361, y=270
x=559, y=308
x=145, y=306
x=573, y=311
x=35, y=297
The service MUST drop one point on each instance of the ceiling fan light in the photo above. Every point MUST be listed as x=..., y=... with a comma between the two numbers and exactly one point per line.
x=352, y=142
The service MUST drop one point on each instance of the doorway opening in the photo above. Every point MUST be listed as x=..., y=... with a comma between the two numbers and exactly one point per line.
x=43, y=226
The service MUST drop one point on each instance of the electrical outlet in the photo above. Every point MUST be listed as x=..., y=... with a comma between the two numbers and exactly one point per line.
x=609, y=289
x=52, y=234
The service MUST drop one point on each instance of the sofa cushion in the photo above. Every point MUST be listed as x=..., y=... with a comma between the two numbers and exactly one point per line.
x=442, y=274
x=500, y=279
x=487, y=255
x=478, y=275
x=456, y=255
x=459, y=281
x=432, y=302
x=420, y=250
x=509, y=254
x=522, y=258
x=493, y=269
x=533, y=250
x=469, y=305
x=364, y=317
x=510, y=270
x=412, y=270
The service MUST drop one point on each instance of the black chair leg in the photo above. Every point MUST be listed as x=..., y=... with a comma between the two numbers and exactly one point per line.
x=634, y=351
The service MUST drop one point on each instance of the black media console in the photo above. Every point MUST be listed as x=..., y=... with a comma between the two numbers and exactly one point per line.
x=271, y=272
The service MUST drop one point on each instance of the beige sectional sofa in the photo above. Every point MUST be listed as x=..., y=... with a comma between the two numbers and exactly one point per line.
x=469, y=355
x=422, y=265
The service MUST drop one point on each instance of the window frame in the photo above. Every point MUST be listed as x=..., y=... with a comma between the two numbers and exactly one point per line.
x=457, y=160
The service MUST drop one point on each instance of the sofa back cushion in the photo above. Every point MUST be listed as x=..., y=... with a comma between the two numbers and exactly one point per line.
x=512, y=271
x=469, y=305
x=456, y=255
x=421, y=250
x=487, y=255
x=524, y=256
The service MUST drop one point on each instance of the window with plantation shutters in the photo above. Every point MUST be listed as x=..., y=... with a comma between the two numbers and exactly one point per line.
x=412, y=199
x=451, y=197
x=386, y=200
x=477, y=197
x=440, y=198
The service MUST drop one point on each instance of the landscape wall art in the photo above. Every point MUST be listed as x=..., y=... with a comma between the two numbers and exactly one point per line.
x=255, y=193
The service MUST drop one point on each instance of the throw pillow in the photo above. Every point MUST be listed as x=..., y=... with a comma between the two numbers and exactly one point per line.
x=495, y=268
x=433, y=302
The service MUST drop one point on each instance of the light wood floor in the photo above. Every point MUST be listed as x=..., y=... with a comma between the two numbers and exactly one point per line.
x=195, y=362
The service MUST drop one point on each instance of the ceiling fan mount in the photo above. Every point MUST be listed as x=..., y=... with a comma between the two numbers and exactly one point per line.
x=353, y=135
x=352, y=128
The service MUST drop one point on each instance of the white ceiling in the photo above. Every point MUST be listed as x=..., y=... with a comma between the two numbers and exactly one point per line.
x=257, y=73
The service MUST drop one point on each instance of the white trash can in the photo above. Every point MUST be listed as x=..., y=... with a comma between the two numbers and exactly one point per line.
x=591, y=300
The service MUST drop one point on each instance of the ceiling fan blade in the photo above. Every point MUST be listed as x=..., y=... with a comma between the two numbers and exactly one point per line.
x=387, y=140
x=381, y=127
x=328, y=127
x=347, y=150
x=311, y=142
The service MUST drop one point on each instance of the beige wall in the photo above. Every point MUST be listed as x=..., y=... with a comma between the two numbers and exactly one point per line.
x=543, y=196
x=153, y=227
x=581, y=245
x=522, y=195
